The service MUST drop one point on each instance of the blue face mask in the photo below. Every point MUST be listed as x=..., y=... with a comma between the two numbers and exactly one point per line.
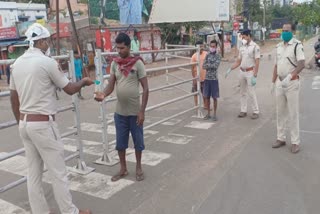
x=286, y=36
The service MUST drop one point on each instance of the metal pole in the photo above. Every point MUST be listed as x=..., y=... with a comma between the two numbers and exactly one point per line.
x=198, y=85
x=152, y=43
x=74, y=29
x=106, y=159
x=81, y=166
x=166, y=62
x=57, y=28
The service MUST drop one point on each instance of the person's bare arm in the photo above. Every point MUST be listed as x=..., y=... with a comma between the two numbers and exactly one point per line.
x=275, y=74
x=74, y=87
x=15, y=104
x=145, y=97
x=256, y=67
x=299, y=68
x=99, y=96
x=236, y=64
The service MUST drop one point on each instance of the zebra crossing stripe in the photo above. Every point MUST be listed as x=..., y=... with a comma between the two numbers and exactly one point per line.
x=93, y=184
x=316, y=83
x=148, y=158
x=6, y=208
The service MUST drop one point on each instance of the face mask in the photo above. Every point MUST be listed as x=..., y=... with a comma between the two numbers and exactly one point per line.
x=244, y=42
x=212, y=50
x=286, y=36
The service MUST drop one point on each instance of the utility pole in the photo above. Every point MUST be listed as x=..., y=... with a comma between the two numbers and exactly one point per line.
x=74, y=29
x=246, y=14
x=57, y=28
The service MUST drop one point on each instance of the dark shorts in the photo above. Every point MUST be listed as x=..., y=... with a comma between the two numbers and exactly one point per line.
x=211, y=88
x=194, y=89
x=124, y=126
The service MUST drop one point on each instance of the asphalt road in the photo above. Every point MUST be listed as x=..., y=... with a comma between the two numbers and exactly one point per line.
x=191, y=165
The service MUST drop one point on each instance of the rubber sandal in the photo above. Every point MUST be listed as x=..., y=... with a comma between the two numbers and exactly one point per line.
x=119, y=176
x=140, y=176
x=214, y=118
x=207, y=117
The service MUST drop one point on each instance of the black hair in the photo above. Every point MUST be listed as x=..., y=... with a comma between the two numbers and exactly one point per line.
x=199, y=43
x=75, y=52
x=291, y=24
x=123, y=38
x=246, y=33
x=215, y=42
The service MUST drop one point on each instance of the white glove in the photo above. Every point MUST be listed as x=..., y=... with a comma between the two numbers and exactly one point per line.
x=285, y=82
x=272, y=88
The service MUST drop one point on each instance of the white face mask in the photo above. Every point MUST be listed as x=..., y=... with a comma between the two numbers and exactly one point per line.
x=244, y=42
x=48, y=52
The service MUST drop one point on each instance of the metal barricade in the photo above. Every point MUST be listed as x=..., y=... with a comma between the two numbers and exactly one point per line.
x=80, y=167
x=107, y=157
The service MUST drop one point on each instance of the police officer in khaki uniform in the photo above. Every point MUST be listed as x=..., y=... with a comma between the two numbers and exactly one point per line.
x=290, y=61
x=34, y=79
x=248, y=60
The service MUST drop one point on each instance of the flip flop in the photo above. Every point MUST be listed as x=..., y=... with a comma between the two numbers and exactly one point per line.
x=119, y=176
x=140, y=176
x=214, y=118
x=207, y=117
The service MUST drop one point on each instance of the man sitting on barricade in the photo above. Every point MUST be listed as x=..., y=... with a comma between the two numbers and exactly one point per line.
x=33, y=82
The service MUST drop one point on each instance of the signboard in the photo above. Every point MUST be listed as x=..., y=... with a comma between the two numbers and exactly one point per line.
x=115, y=13
x=23, y=26
x=169, y=11
x=64, y=30
x=0, y=21
x=8, y=33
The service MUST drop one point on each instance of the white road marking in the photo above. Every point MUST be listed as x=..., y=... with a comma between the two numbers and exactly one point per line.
x=85, y=142
x=199, y=125
x=6, y=208
x=148, y=157
x=97, y=128
x=171, y=122
x=175, y=139
x=94, y=184
x=316, y=83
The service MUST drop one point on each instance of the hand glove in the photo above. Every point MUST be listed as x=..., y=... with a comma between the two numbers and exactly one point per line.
x=272, y=88
x=253, y=80
x=285, y=82
x=228, y=72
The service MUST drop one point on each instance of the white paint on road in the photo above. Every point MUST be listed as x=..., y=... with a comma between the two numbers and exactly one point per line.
x=97, y=128
x=175, y=139
x=148, y=157
x=199, y=125
x=85, y=142
x=94, y=184
x=171, y=122
x=6, y=208
x=316, y=83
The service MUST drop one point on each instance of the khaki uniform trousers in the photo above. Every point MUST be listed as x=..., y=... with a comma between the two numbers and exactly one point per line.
x=247, y=90
x=43, y=145
x=287, y=101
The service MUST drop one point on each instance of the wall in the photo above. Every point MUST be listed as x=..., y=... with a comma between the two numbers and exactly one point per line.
x=63, y=5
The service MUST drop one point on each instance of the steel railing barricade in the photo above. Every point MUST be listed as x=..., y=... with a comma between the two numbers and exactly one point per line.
x=81, y=167
x=107, y=157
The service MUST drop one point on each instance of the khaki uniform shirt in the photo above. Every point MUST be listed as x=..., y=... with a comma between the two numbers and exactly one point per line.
x=284, y=67
x=35, y=78
x=127, y=89
x=248, y=54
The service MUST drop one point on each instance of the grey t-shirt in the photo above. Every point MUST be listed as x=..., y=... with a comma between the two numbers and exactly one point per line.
x=127, y=89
